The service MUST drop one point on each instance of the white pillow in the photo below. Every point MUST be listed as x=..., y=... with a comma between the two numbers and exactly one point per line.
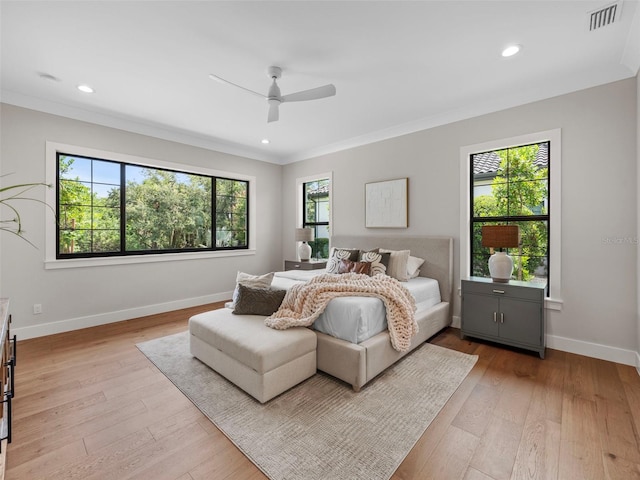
x=413, y=266
x=248, y=280
x=397, y=264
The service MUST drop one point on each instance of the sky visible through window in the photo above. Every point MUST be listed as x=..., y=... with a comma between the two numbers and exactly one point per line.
x=108, y=172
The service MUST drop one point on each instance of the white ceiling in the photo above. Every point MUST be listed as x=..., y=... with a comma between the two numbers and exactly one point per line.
x=397, y=66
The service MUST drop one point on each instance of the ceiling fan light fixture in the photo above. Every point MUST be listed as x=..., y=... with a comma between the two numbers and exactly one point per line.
x=511, y=50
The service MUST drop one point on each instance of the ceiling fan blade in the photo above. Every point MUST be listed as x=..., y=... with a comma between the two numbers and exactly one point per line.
x=312, y=94
x=274, y=113
x=222, y=80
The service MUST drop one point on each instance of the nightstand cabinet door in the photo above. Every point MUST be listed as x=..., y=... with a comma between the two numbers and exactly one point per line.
x=520, y=321
x=480, y=314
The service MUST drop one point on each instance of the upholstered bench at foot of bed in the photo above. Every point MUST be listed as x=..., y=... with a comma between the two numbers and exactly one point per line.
x=260, y=360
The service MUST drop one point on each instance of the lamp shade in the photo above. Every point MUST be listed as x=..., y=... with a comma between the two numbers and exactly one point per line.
x=500, y=236
x=304, y=235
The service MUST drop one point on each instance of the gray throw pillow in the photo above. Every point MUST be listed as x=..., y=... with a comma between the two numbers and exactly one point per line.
x=258, y=301
x=257, y=281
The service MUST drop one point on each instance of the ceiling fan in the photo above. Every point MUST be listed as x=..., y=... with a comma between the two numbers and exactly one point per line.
x=274, y=98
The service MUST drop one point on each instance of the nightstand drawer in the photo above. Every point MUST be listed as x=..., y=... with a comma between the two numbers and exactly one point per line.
x=505, y=290
x=310, y=265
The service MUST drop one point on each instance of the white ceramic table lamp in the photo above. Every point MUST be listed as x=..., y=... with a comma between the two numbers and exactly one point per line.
x=500, y=236
x=304, y=235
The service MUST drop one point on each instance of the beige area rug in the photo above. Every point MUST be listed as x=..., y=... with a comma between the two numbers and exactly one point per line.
x=321, y=429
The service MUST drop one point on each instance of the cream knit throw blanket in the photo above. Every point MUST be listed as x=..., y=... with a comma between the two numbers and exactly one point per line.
x=304, y=303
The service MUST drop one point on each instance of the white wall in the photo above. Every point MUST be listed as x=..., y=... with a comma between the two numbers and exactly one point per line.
x=79, y=297
x=599, y=207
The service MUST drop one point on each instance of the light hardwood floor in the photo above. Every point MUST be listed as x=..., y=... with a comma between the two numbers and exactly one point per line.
x=89, y=405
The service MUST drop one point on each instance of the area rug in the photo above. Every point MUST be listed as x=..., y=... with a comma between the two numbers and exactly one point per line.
x=321, y=429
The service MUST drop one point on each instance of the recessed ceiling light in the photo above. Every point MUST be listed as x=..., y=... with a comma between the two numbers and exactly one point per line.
x=265, y=141
x=85, y=89
x=511, y=50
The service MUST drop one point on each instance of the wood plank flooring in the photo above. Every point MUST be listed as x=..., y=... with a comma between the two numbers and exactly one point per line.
x=89, y=405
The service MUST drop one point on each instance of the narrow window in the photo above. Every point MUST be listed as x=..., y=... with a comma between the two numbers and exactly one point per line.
x=316, y=215
x=511, y=187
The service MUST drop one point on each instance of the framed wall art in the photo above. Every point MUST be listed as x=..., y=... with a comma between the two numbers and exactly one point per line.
x=386, y=204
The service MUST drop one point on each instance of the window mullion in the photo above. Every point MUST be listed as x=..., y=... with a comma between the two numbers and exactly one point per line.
x=214, y=213
x=123, y=213
x=515, y=218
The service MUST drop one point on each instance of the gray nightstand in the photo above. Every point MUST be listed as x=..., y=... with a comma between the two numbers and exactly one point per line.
x=509, y=313
x=310, y=265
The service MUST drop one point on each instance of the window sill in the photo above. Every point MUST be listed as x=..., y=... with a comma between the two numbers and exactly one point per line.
x=553, y=304
x=130, y=260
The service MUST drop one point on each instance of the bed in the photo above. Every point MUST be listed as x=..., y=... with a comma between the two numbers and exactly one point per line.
x=357, y=318
x=359, y=363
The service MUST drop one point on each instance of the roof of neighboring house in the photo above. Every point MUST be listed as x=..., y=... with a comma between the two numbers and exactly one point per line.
x=488, y=162
x=321, y=191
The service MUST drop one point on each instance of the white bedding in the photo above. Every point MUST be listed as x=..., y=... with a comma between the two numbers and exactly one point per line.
x=356, y=319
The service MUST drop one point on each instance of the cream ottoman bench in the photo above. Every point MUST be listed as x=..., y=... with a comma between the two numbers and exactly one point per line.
x=260, y=360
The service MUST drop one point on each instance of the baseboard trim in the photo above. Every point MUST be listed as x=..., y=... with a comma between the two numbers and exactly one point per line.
x=61, y=326
x=594, y=350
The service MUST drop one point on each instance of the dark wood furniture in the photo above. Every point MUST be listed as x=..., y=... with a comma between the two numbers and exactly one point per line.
x=8, y=358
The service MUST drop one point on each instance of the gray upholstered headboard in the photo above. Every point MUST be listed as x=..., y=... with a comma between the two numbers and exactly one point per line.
x=437, y=252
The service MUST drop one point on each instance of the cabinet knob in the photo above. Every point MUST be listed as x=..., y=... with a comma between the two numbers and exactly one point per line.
x=495, y=317
x=501, y=317
x=498, y=291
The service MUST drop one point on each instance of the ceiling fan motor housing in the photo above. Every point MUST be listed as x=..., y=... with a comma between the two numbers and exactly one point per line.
x=274, y=91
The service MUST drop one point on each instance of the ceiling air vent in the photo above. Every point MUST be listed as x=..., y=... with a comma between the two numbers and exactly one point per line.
x=604, y=16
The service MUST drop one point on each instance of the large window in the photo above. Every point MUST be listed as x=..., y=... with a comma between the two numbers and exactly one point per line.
x=316, y=214
x=111, y=208
x=511, y=187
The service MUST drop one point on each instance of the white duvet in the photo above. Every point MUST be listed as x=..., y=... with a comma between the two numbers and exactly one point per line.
x=356, y=319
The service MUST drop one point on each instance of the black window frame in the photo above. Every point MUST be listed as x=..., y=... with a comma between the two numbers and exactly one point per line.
x=123, y=252
x=511, y=219
x=315, y=245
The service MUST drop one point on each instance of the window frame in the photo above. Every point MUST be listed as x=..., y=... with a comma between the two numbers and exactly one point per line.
x=51, y=230
x=553, y=300
x=300, y=203
x=510, y=219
